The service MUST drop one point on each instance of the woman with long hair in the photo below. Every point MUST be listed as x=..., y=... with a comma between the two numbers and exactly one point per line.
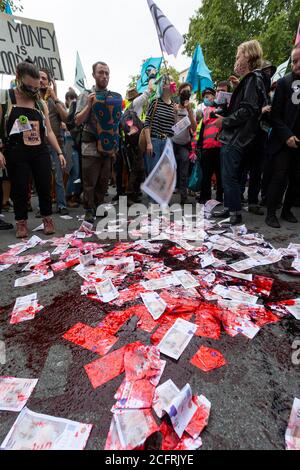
x=27, y=126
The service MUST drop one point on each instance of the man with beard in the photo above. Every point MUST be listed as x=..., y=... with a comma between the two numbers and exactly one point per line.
x=100, y=111
x=285, y=145
x=57, y=115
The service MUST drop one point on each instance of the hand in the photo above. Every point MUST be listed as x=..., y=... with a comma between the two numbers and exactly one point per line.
x=187, y=105
x=52, y=94
x=149, y=150
x=91, y=99
x=2, y=161
x=63, y=162
x=54, y=85
x=218, y=123
x=234, y=81
x=266, y=109
x=151, y=86
x=292, y=142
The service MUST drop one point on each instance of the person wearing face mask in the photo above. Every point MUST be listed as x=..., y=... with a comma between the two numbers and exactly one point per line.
x=210, y=148
x=26, y=124
x=182, y=141
x=257, y=151
x=158, y=124
x=285, y=145
x=239, y=128
x=57, y=114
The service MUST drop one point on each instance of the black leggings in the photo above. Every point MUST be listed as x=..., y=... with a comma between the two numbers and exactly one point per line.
x=23, y=162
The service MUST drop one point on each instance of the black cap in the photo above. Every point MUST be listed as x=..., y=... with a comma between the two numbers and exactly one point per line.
x=209, y=90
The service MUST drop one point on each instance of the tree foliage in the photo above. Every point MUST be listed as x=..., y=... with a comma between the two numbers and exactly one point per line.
x=219, y=27
x=15, y=5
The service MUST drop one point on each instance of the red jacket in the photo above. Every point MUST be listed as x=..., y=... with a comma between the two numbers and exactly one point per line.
x=210, y=132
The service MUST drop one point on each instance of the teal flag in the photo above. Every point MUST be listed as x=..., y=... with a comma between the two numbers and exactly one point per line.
x=199, y=74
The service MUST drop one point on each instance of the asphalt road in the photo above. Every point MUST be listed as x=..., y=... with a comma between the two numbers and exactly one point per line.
x=251, y=397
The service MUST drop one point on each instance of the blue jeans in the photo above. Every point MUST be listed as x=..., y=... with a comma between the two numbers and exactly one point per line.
x=183, y=164
x=158, y=148
x=231, y=169
x=74, y=188
x=59, y=182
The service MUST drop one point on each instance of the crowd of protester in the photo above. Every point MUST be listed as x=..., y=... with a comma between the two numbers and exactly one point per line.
x=245, y=132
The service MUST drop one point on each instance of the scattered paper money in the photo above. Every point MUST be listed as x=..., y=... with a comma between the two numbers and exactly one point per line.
x=25, y=309
x=181, y=410
x=33, y=279
x=34, y=431
x=292, y=435
x=14, y=393
x=186, y=279
x=177, y=338
x=164, y=395
x=233, y=293
x=106, y=291
x=154, y=303
x=161, y=283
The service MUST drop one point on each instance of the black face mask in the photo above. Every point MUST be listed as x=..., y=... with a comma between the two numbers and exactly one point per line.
x=28, y=91
x=185, y=96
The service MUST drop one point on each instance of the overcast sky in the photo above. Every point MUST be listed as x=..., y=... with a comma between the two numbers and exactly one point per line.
x=119, y=32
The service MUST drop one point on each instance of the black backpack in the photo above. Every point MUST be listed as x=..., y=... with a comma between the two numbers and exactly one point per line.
x=75, y=131
x=131, y=126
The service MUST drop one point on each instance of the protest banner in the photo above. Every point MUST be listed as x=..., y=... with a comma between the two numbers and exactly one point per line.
x=22, y=38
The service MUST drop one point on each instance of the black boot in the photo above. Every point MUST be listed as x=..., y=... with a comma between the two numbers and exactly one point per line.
x=256, y=210
x=5, y=225
x=236, y=219
x=272, y=221
x=287, y=215
x=224, y=214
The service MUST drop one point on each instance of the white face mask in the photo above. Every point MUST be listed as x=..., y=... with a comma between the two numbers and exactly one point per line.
x=241, y=66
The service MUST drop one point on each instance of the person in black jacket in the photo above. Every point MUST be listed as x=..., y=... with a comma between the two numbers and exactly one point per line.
x=240, y=127
x=285, y=145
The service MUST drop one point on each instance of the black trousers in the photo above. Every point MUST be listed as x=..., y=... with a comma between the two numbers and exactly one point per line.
x=211, y=163
x=1, y=194
x=23, y=162
x=253, y=165
x=137, y=173
x=285, y=171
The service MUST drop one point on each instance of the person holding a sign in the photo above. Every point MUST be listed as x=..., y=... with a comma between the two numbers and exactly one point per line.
x=27, y=123
x=159, y=122
x=185, y=124
x=100, y=111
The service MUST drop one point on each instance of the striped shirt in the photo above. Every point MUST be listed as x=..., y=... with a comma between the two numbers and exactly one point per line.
x=163, y=120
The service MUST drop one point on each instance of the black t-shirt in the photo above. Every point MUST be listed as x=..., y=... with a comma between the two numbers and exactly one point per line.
x=296, y=129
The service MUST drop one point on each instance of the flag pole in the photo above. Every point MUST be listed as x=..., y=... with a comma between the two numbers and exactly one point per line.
x=164, y=59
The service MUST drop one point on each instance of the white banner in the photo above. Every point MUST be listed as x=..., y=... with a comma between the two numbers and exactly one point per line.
x=22, y=38
x=161, y=182
x=280, y=72
x=170, y=39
